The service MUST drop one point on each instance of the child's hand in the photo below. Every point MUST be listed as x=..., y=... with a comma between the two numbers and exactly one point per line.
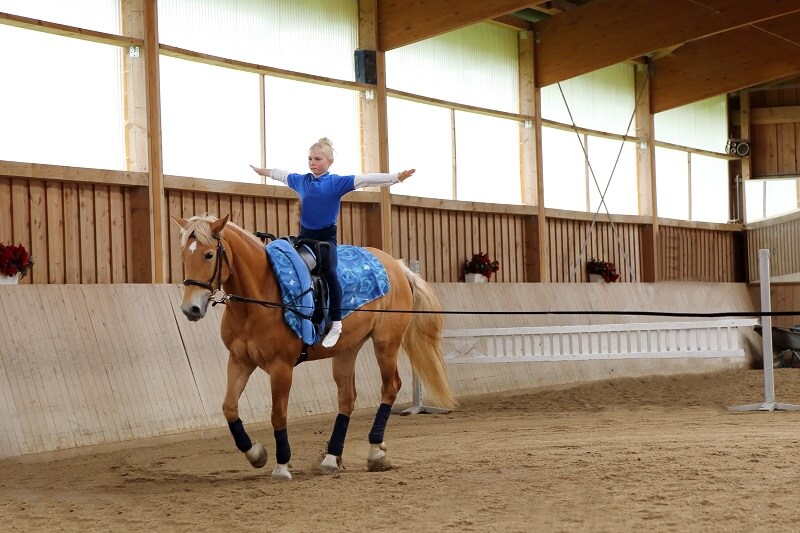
x=260, y=171
x=401, y=176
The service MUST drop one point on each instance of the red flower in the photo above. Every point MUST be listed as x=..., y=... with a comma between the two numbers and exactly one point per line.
x=14, y=259
x=481, y=263
x=603, y=268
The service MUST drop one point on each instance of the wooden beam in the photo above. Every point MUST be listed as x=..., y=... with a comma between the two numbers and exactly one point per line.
x=606, y=32
x=723, y=63
x=68, y=31
x=41, y=171
x=775, y=115
x=402, y=22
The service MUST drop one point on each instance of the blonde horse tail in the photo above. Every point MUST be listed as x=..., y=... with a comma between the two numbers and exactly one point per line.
x=421, y=342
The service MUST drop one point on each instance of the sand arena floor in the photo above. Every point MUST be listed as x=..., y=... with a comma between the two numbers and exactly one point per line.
x=652, y=454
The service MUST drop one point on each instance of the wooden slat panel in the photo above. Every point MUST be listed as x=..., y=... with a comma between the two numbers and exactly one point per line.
x=72, y=233
x=38, y=233
x=55, y=233
x=95, y=234
x=6, y=234
x=102, y=232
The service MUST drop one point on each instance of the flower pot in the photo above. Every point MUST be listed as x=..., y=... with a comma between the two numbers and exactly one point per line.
x=474, y=278
x=9, y=280
x=596, y=278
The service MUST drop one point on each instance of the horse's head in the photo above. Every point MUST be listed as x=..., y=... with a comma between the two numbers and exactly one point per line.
x=205, y=262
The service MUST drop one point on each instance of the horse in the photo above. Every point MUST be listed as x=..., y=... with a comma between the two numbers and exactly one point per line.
x=220, y=257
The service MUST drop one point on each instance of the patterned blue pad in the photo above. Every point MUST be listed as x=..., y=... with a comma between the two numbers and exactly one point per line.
x=361, y=275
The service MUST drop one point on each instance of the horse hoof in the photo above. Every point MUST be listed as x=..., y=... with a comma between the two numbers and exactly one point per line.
x=331, y=464
x=376, y=459
x=257, y=455
x=281, y=472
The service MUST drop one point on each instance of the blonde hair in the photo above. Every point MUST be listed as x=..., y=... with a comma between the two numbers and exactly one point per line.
x=325, y=145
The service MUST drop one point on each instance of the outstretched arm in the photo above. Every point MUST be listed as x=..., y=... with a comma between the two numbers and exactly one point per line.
x=381, y=179
x=274, y=173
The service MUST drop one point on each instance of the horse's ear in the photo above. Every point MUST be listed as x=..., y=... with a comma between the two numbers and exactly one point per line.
x=218, y=224
x=183, y=223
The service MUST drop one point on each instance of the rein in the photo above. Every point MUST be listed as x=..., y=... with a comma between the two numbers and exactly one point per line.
x=225, y=298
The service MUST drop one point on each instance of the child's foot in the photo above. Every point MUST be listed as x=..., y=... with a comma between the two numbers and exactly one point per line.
x=333, y=335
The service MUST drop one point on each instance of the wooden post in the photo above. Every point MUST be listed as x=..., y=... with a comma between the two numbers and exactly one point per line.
x=536, y=266
x=530, y=150
x=157, y=209
x=374, y=122
x=646, y=173
x=139, y=253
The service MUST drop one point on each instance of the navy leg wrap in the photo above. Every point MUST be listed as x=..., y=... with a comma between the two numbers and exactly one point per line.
x=379, y=426
x=336, y=444
x=282, y=451
x=240, y=435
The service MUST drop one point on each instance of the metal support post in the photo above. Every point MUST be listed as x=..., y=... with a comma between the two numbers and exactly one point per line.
x=769, y=403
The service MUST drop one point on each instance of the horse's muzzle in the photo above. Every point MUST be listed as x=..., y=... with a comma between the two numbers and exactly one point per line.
x=193, y=312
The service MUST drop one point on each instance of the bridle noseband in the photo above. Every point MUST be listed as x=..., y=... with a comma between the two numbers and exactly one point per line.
x=217, y=271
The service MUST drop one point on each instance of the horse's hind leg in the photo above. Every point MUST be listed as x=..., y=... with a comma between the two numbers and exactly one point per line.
x=238, y=375
x=344, y=375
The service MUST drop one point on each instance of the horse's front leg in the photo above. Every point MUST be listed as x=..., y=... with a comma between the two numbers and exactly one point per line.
x=343, y=367
x=280, y=379
x=386, y=354
x=238, y=375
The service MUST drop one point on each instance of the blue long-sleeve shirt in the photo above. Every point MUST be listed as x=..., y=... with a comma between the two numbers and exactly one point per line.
x=321, y=196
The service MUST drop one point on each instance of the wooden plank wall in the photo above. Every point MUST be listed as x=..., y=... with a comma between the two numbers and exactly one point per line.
x=775, y=131
x=442, y=239
x=75, y=232
x=784, y=297
x=90, y=364
x=574, y=241
x=697, y=254
x=781, y=236
x=78, y=224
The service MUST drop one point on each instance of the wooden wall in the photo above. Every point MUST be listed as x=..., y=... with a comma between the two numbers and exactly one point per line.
x=81, y=226
x=574, y=239
x=700, y=253
x=90, y=364
x=76, y=223
x=442, y=236
x=781, y=236
x=775, y=131
x=784, y=297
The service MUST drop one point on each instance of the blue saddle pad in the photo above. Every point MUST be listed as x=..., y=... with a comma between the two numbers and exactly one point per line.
x=361, y=275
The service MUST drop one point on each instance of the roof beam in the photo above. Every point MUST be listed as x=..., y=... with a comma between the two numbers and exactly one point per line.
x=402, y=22
x=607, y=32
x=727, y=62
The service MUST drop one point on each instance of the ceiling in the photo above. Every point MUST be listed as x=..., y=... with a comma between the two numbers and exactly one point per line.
x=696, y=49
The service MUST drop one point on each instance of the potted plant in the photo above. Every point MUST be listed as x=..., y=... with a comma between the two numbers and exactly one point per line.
x=15, y=261
x=602, y=271
x=480, y=268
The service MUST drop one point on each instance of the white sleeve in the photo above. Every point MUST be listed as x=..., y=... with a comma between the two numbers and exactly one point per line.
x=279, y=175
x=375, y=180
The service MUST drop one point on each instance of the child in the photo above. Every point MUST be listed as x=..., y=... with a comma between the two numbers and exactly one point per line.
x=320, y=198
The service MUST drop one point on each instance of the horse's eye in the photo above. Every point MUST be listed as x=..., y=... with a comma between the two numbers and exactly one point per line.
x=209, y=255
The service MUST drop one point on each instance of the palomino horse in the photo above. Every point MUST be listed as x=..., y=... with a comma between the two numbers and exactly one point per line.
x=220, y=256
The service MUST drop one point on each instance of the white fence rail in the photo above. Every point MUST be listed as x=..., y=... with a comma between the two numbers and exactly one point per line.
x=711, y=338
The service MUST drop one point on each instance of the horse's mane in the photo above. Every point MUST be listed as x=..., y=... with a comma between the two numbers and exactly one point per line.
x=200, y=227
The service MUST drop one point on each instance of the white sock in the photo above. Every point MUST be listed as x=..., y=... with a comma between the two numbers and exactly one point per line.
x=333, y=335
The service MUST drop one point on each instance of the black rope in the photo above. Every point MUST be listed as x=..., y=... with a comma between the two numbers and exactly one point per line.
x=718, y=314
x=631, y=313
